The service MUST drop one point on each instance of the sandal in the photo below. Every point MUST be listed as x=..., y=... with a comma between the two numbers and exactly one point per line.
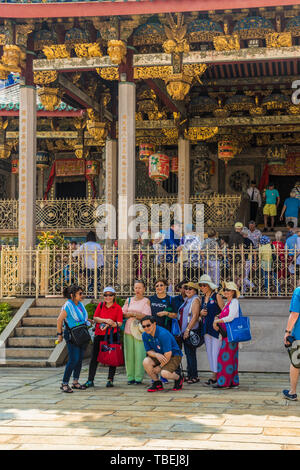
x=210, y=382
x=78, y=386
x=65, y=388
x=193, y=381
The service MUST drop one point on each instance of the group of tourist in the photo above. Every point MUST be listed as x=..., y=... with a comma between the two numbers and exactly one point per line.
x=156, y=330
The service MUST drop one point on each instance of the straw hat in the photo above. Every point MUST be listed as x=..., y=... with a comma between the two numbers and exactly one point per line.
x=230, y=286
x=206, y=279
x=193, y=285
x=136, y=329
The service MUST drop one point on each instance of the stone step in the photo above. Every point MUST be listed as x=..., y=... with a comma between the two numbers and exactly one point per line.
x=44, y=311
x=50, y=302
x=28, y=353
x=265, y=307
x=31, y=342
x=34, y=331
x=39, y=321
x=24, y=363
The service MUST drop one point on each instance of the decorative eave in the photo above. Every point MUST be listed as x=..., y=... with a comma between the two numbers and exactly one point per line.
x=123, y=7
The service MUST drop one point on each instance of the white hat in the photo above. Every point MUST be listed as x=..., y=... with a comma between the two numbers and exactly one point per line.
x=109, y=289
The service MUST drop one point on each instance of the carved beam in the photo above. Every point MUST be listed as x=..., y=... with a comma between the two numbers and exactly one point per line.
x=161, y=92
x=81, y=97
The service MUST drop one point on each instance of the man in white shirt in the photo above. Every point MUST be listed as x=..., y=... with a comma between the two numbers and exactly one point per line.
x=255, y=200
x=93, y=260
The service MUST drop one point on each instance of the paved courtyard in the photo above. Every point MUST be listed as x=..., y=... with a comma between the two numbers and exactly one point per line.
x=35, y=414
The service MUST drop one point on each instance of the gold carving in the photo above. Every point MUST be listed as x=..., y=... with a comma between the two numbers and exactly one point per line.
x=117, y=51
x=152, y=72
x=49, y=98
x=13, y=59
x=59, y=51
x=200, y=133
x=178, y=85
x=294, y=109
x=227, y=42
x=279, y=40
x=5, y=151
x=175, y=32
x=108, y=73
x=88, y=50
x=22, y=32
x=44, y=78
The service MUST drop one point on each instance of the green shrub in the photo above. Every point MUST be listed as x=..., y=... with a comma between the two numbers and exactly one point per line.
x=6, y=312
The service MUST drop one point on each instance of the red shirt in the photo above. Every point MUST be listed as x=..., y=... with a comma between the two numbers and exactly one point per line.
x=114, y=312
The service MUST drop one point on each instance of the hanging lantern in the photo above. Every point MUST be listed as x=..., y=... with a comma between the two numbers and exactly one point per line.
x=15, y=166
x=42, y=160
x=174, y=165
x=92, y=167
x=226, y=150
x=145, y=151
x=276, y=155
x=159, y=167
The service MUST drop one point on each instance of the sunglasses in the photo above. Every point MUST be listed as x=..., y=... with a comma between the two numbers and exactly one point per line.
x=160, y=285
x=146, y=326
x=108, y=295
x=202, y=285
x=188, y=288
x=226, y=290
x=80, y=293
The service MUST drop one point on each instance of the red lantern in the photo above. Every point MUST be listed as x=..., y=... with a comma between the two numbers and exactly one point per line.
x=15, y=166
x=92, y=167
x=159, y=167
x=174, y=165
x=145, y=151
x=226, y=150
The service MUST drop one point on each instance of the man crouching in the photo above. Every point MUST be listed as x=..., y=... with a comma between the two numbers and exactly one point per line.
x=163, y=355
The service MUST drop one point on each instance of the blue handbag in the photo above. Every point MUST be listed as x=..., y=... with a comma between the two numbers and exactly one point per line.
x=175, y=328
x=238, y=330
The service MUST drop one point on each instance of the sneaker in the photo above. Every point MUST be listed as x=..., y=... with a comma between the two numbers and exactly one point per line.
x=138, y=383
x=156, y=386
x=216, y=386
x=178, y=384
x=109, y=384
x=89, y=384
x=265, y=229
x=164, y=381
x=131, y=382
x=289, y=396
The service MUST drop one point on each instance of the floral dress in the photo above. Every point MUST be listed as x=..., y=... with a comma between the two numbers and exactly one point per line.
x=227, y=375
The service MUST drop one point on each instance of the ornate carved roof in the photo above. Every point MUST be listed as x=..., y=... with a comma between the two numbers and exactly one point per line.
x=253, y=27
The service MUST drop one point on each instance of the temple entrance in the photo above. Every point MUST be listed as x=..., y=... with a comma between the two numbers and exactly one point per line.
x=75, y=189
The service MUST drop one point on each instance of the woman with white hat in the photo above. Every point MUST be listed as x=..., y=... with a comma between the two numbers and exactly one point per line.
x=227, y=375
x=134, y=310
x=108, y=314
x=211, y=305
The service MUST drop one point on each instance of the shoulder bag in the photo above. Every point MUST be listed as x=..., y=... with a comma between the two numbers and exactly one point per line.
x=111, y=351
x=196, y=337
x=80, y=335
x=238, y=330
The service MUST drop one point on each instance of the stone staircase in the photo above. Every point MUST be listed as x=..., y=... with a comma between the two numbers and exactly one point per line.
x=33, y=340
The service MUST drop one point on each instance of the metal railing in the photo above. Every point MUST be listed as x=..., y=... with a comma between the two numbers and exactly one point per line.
x=258, y=273
x=219, y=211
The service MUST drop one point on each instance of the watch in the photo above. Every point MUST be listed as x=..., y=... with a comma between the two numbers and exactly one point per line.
x=287, y=331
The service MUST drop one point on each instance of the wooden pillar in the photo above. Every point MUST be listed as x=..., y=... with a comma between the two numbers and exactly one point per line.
x=183, y=173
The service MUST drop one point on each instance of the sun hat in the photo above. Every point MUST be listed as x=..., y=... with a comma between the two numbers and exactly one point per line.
x=206, y=279
x=109, y=289
x=193, y=285
x=238, y=225
x=230, y=286
x=264, y=240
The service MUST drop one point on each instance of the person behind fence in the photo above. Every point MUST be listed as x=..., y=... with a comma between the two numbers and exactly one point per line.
x=108, y=314
x=293, y=330
x=270, y=209
x=190, y=248
x=250, y=259
x=162, y=305
x=73, y=314
x=291, y=230
x=179, y=299
x=235, y=237
x=269, y=271
x=292, y=246
x=92, y=253
x=227, y=375
x=253, y=233
x=210, y=252
x=255, y=199
x=134, y=310
x=290, y=209
x=278, y=245
x=211, y=305
x=163, y=355
x=189, y=314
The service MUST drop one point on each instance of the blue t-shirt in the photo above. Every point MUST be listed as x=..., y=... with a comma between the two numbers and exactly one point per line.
x=271, y=196
x=292, y=207
x=295, y=307
x=162, y=342
x=170, y=244
x=160, y=305
x=291, y=243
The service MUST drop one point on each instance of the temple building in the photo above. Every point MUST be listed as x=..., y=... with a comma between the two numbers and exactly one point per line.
x=143, y=101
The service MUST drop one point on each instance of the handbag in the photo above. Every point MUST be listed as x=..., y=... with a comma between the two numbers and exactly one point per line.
x=110, y=352
x=80, y=335
x=175, y=328
x=196, y=337
x=238, y=330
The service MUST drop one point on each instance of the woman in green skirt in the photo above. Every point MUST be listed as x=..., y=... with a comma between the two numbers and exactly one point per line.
x=134, y=310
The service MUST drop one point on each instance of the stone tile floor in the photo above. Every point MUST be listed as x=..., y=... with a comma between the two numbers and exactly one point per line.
x=35, y=414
